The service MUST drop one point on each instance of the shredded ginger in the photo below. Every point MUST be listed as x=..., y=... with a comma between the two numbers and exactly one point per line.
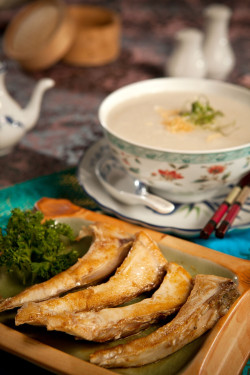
x=174, y=122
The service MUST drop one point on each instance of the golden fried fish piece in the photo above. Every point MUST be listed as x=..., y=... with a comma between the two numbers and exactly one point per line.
x=113, y=323
x=142, y=270
x=210, y=299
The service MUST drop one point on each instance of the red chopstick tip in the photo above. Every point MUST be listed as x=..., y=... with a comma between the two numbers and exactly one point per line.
x=207, y=230
x=222, y=229
x=204, y=235
x=219, y=234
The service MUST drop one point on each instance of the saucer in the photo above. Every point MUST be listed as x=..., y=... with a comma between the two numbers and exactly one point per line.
x=186, y=220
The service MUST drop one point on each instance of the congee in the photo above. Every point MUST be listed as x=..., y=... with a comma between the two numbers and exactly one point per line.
x=182, y=121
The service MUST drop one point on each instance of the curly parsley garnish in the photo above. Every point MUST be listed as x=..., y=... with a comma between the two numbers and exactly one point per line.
x=35, y=251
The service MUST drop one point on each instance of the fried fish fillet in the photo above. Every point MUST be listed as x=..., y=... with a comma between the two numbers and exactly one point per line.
x=210, y=299
x=142, y=270
x=107, y=251
x=113, y=323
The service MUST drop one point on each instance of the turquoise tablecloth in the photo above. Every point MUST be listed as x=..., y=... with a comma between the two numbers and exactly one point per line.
x=65, y=185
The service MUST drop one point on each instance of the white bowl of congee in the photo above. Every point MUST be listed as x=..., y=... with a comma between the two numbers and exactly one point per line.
x=187, y=139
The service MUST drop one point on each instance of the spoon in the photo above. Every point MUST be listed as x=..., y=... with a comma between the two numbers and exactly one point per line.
x=123, y=187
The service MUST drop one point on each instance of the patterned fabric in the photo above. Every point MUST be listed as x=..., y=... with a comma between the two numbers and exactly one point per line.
x=58, y=185
x=65, y=185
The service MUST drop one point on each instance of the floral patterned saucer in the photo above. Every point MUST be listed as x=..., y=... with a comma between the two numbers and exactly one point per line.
x=186, y=220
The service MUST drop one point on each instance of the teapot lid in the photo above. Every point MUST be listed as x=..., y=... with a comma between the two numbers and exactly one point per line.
x=40, y=34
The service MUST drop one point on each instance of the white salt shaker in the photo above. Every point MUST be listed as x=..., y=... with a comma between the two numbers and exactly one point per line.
x=218, y=52
x=187, y=59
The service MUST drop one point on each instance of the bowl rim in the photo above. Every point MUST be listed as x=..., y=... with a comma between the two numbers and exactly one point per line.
x=171, y=80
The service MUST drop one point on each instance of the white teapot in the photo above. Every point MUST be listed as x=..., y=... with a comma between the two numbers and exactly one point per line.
x=14, y=120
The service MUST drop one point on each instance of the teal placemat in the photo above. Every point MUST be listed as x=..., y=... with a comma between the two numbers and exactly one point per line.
x=65, y=185
x=58, y=185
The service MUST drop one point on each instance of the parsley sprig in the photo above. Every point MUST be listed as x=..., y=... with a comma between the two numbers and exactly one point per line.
x=201, y=113
x=35, y=251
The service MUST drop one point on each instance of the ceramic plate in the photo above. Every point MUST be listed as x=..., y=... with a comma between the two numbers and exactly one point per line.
x=62, y=354
x=186, y=220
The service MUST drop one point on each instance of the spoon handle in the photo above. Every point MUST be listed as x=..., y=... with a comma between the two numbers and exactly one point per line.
x=157, y=203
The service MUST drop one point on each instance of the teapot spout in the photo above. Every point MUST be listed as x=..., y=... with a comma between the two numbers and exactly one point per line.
x=32, y=111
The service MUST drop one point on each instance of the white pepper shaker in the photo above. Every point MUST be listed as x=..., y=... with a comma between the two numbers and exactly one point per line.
x=217, y=49
x=187, y=59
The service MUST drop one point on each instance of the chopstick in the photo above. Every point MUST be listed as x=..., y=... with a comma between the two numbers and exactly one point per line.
x=232, y=213
x=232, y=204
